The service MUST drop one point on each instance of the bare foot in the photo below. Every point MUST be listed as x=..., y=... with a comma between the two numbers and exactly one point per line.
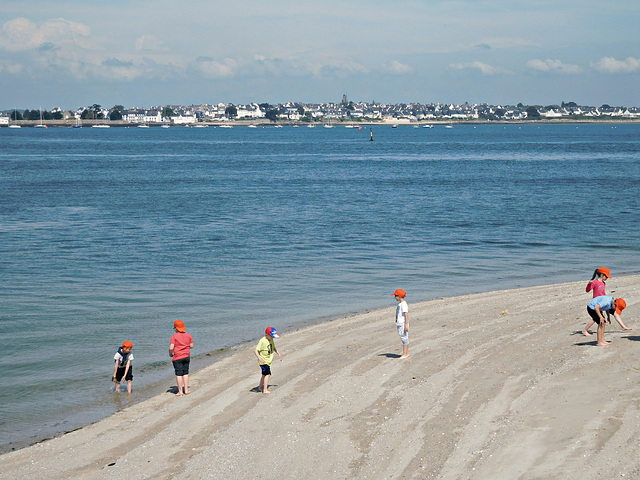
x=627, y=328
x=267, y=392
x=179, y=394
x=586, y=333
x=187, y=393
x=404, y=356
x=605, y=344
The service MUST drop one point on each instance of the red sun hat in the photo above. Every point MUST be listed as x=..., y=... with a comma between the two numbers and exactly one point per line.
x=605, y=271
x=400, y=293
x=620, y=305
x=179, y=325
x=127, y=344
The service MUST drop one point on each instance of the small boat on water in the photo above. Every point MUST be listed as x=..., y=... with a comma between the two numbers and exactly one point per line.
x=143, y=125
x=226, y=126
x=328, y=125
x=311, y=125
x=164, y=125
x=101, y=125
x=15, y=117
x=41, y=125
x=253, y=126
x=428, y=125
x=394, y=126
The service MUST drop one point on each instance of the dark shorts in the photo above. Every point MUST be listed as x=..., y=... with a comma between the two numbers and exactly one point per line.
x=120, y=373
x=594, y=315
x=181, y=366
x=266, y=369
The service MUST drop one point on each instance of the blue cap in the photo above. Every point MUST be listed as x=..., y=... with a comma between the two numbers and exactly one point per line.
x=271, y=331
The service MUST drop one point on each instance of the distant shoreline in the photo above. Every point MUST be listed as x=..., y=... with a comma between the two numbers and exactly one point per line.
x=266, y=123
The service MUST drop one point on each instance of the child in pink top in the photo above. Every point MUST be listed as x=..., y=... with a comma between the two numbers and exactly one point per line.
x=597, y=284
x=180, y=347
x=597, y=281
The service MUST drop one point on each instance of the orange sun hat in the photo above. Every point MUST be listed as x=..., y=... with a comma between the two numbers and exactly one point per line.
x=620, y=305
x=605, y=271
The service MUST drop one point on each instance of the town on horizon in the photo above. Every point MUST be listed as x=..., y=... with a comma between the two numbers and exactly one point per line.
x=297, y=112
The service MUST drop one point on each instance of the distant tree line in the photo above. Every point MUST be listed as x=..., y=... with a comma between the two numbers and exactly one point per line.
x=35, y=115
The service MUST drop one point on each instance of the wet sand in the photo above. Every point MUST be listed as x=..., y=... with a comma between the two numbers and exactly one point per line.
x=500, y=385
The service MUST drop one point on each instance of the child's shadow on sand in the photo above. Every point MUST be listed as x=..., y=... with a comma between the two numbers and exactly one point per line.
x=390, y=355
x=633, y=338
x=173, y=390
x=257, y=390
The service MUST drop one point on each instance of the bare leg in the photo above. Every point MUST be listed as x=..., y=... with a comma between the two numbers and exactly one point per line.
x=186, y=384
x=265, y=384
x=600, y=336
x=405, y=351
x=117, y=386
x=129, y=385
x=180, y=384
x=586, y=330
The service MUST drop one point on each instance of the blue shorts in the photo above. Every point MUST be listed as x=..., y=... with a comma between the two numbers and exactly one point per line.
x=181, y=366
x=266, y=369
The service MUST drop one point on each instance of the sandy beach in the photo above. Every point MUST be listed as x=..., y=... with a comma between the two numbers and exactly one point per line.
x=499, y=385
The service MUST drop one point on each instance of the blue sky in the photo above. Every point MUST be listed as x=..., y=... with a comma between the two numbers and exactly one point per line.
x=142, y=53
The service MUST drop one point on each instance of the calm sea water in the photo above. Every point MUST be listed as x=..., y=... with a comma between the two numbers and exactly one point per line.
x=109, y=235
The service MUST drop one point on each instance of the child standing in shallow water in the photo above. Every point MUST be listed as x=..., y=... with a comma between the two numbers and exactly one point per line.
x=122, y=367
x=597, y=284
x=402, y=320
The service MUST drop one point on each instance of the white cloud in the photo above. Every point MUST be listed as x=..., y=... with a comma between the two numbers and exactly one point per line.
x=483, y=67
x=549, y=65
x=398, y=68
x=150, y=43
x=21, y=34
x=214, y=69
x=611, y=65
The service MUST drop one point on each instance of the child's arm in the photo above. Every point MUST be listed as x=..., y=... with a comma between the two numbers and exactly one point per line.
x=619, y=320
x=406, y=322
x=126, y=370
x=171, y=346
x=275, y=349
x=260, y=361
x=115, y=369
x=589, y=286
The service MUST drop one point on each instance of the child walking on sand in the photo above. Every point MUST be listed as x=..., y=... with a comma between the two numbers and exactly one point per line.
x=402, y=320
x=597, y=284
x=122, y=367
x=607, y=304
x=180, y=351
x=264, y=352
